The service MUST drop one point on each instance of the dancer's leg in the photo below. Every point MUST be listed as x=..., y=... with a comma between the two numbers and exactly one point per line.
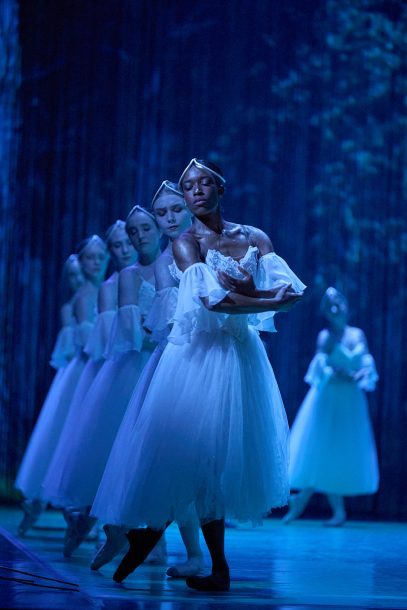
x=194, y=563
x=141, y=541
x=337, y=505
x=297, y=504
x=116, y=541
x=219, y=579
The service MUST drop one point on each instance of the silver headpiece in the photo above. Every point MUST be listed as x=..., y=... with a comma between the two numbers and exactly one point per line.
x=119, y=224
x=93, y=239
x=72, y=258
x=139, y=208
x=199, y=165
x=169, y=188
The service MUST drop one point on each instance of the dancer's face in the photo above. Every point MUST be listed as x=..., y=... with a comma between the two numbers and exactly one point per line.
x=121, y=249
x=93, y=262
x=172, y=216
x=74, y=275
x=143, y=233
x=201, y=192
x=337, y=312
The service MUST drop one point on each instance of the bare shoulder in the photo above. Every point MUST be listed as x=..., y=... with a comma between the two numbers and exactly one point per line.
x=186, y=250
x=356, y=334
x=259, y=238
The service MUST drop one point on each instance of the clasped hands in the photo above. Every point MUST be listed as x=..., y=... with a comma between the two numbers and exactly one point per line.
x=282, y=296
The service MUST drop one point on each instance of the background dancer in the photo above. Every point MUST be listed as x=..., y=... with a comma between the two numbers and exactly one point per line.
x=332, y=444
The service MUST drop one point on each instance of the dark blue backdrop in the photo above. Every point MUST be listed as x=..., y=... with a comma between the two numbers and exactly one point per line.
x=304, y=106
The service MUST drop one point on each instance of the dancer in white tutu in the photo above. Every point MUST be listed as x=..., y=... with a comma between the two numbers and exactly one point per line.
x=212, y=432
x=91, y=254
x=332, y=445
x=173, y=218
x=122, y=254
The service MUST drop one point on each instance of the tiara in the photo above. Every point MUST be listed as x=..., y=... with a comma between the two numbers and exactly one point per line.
x=139, y=208
x=168, y=186
x=199, y=165
x=94, y=239
x=119, y=224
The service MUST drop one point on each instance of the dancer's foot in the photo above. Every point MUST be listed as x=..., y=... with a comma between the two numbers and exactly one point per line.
x=217, y=581
x=79, y=526
x=141, y=541
x=336, y=520
x=116, y=541
x=32, y=511
x=296, y=506
x=191, y=567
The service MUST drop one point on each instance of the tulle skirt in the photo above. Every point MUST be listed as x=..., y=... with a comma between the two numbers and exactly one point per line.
x=211, y=435
x=103, y=408
x=48, y=429
x=64, y=445
x=332, y=447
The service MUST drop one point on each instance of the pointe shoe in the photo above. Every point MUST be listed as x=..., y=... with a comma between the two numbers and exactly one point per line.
x=141, y=541
x=32, y=511
x=217, y=581
x=79, y=525
x=116, y=541
x=191, y=567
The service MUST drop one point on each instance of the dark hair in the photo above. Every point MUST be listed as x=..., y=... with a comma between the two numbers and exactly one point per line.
x=212, y=166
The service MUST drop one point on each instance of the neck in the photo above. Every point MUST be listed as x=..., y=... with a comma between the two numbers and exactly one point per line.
x=213, y=221
x=146, y=259
x=93, y=281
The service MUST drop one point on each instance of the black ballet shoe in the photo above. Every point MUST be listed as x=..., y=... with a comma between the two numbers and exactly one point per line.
x=217, y=581
x=141, y=541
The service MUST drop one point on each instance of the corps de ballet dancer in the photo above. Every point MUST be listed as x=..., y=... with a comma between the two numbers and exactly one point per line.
x=94, y=421
x=211, y=435
x=332, y=447
x=79, y=312
x=173, y=218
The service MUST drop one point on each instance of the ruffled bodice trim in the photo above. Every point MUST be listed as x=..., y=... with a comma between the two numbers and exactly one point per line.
x=82, y=333
x=200, y=281
x=127, y=333
x=64, y=348
x=355, y=365
x=161, y=314
x=96, y=345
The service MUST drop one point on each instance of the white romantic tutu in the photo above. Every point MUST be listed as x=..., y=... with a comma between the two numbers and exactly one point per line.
x=48, y=429
x=89, y=338
x=211, y=432
x=98, y=408
x=332, y=445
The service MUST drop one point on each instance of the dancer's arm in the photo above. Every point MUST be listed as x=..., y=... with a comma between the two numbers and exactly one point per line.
x=186, y=253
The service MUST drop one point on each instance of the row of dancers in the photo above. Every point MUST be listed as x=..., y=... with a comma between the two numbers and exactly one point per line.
x=164, y=406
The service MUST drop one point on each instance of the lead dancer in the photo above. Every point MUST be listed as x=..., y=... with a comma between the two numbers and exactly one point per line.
x=212, y=432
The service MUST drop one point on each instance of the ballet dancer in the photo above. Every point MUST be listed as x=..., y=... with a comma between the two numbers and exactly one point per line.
x=211, y=434
x=332, y=446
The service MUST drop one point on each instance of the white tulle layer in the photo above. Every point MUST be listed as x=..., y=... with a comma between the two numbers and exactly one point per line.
x=211, y=431
x=64, y=349
x=162, y=313
x=127, y=333
x=48, y=429
x=76, y=481
x=82, y=333
x=96, y=344
x=73, y=416
x=332, y=448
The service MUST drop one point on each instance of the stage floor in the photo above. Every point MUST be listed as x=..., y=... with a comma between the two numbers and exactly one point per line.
x=300, y=566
